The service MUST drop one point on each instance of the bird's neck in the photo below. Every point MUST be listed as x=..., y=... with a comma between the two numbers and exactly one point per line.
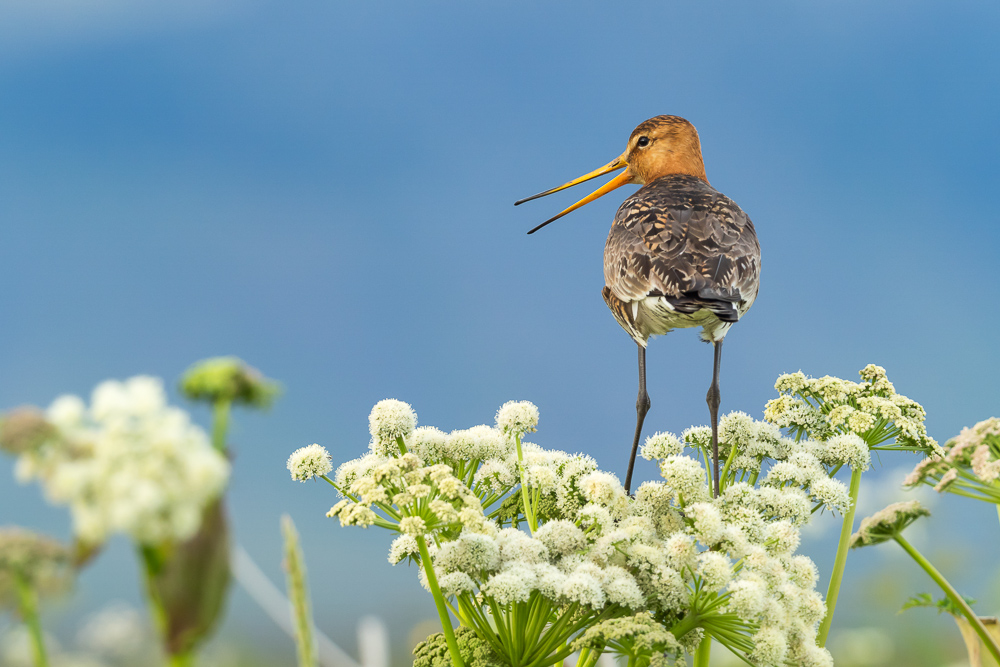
x=676, y=163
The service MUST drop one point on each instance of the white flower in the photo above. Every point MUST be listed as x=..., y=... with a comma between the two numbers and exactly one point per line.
x=708, y=523
x=517, y=418
x=427, y=442
x=470, y=553
x=747, y=599
x=715, y=569
x=513, y=584
x=802, y=571
x=603, y=488
x=782, y=537
x=595, y=515
x=138, y=466
x=455, y=583
x=496, y=476
x=620, y=587
x=412, y=525
x=477, y=443
x=680, y=551
x=850, y=449
x=308, y=462
x=550, y=580
x=403, y=547
x=515, y=546
x=561, y=537
x=832, y=493
x=686, y=477
x=583, y=587
x=390, y=419
x=770, y=647
x=661, y=445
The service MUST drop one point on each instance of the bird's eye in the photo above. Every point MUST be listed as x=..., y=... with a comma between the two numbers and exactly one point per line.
x=643, y=141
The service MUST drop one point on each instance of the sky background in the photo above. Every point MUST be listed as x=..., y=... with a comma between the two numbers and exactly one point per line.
x=325, y=189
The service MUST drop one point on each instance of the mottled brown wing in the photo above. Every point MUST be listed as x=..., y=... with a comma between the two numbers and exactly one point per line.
x=678, y=237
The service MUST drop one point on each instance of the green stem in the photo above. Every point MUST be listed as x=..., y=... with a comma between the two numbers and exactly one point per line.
x=837, y=576
x=528, y=513
x=220, y=423
x=701, y=654
x=180, y=660
x=449, y=632
x=956, y=599
x=28, y=606
x=998, y=511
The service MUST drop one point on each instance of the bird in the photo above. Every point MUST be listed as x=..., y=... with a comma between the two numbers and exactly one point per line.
x=680, y=254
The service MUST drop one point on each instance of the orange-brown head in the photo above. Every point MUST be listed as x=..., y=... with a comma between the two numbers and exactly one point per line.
x=660, y=146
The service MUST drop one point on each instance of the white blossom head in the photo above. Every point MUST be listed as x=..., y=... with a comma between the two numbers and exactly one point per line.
x=661, y=445
x=562, y=537
x=515, y=418
x=887, y=523
x=390, y=419
x=306, y=463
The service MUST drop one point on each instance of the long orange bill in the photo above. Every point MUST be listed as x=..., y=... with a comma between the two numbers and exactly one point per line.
x=618, y=181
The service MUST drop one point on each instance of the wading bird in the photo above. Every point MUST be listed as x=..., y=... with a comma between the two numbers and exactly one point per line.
x=680, y=253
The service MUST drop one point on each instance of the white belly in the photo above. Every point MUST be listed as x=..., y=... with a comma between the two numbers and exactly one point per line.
x=654, y=316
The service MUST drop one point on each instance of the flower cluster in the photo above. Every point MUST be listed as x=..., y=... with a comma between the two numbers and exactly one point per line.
x=38, y=562
x=969, y=465
x=755, y=453
x=640, y=577
x=822, y=408
x=129, y=463
x=887, y=523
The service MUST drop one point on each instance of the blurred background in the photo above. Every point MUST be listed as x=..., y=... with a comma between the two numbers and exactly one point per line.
x=325, y=189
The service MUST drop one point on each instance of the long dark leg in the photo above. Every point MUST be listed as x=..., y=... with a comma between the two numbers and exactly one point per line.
x=714, y=398
x=641, y=408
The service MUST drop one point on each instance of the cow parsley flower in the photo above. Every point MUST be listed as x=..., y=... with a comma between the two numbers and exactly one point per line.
x=308, y=462
x=515, y=418
x=886, y=523
x=686, y=478
x=661, y=445
x=390, y=419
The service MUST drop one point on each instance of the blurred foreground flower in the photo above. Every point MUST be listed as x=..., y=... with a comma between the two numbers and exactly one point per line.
x=130, y=463
x=223, y=382
x=32, y=566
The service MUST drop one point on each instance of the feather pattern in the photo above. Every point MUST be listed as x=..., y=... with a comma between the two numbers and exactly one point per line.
x=680, y=254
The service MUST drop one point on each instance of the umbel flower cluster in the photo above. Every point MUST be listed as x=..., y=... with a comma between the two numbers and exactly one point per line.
x=539, y=554
x=128, y=463
x=969, y=465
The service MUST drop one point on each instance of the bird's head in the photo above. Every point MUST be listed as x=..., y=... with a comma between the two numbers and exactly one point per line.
x=660, y=146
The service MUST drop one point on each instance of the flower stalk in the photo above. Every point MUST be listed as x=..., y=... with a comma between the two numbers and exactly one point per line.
x=953, y=595
x=28, y=606
x=432, y=582
x=298, y=593
x=840, y=562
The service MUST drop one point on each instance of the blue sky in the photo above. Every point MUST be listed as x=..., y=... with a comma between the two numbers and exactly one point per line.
x=325, y=189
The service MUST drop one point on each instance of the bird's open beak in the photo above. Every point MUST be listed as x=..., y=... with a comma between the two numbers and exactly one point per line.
x=616, y=182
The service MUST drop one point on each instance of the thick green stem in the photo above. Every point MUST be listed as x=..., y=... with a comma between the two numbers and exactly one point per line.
x=220, y=423
x=837, y=576
x=449, y=632
x=528, y=512
x=956, y=599
x=703, y=652
x=28, y=607
x=180, y=660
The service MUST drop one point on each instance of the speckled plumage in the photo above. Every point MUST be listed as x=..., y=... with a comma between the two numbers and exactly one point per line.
x=680, y=254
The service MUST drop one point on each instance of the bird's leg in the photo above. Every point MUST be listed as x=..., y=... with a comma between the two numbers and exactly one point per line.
x=714, y=398
x=641, y=408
